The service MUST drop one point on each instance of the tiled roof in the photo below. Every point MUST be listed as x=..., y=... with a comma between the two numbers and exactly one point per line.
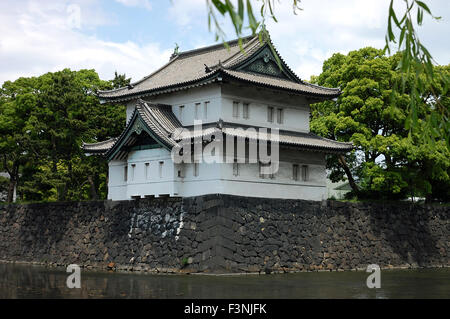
x=206, y=64
x=281, y=83
x=100, y=147
x=158, y=118
x=298, y=139
x=184, y=68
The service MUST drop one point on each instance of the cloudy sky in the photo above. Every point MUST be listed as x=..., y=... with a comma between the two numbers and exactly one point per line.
x=137, y=36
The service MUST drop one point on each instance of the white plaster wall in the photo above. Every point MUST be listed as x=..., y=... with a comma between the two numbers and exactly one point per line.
x=220, y=106
x=207, y=181
x=283, y=185
x=189, y=98
x=252, y=189
x=140, y=184
x=214, y=177
x=295, y=108
x=117, y=186
x=130, y=109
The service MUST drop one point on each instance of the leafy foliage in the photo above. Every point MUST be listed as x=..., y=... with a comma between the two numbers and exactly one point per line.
x=418, y=72
x=389, y=161
x=416, y=59
x=43, y=122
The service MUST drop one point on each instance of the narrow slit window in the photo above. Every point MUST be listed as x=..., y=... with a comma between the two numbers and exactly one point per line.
x=280, y=116
x=263, y=167
x=305, y=173
x=147, y=171
x=236, y=109
x=180, y=172
x=235, y=167
x=295, y=172
x=205, y=110
x=161, y=164
x=270, y=114
x=125, y=173
x=195, y=169
x=197, y=111
x=245, y=113
x=181, y=112
x=133, y=170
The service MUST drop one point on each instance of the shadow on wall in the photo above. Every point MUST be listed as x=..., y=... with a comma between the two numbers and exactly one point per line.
x=414, y=233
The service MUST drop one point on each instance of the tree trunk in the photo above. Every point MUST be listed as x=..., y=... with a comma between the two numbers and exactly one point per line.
x=351, y=181
x=11, y=188
x=93, y=189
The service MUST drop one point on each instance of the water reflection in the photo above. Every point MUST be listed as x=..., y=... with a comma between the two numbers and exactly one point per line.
x=25, y=281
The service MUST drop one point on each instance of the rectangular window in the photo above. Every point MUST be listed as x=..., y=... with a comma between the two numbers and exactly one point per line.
x=161, y=169
x=125, y=173
x=181, y=111
x=261, y=174
x=197, y=111
x=305, y=173
x=245, y=113
x=147, y=171
x=264, y=167
x=205, y=110
x=280, y=116
x=195, y=169
x=133, y=169
x=270, y=114
x=235, y=167
x=236, y=109
x=295, y=172
x=180, y=171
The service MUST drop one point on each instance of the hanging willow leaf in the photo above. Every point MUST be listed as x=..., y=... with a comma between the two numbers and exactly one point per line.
x=416, y=60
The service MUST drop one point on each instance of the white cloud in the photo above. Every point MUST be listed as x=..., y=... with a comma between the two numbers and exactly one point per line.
x=324, y=27
x=186, y=13
x=136, y=3
x=41, y=35
x=40, y=39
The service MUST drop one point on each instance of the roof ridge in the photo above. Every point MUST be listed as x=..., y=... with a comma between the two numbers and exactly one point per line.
x=229, y=62
x=213, y=47
x=99, y=143
x=144, y=78
x=328, y=139
x=184, y=54
x=319, y=86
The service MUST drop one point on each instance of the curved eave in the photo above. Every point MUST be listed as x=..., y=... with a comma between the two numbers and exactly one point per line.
x=310, y=142
x=279, y=87
x=98, y=148
x=207, y=79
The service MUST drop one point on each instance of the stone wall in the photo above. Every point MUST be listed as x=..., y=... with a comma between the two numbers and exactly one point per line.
x=220, y=233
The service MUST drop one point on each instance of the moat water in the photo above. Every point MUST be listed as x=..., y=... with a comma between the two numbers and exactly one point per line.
x=27, y=281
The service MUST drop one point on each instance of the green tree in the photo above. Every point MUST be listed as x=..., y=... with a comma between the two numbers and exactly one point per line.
x=43, y=123
x=416, y=60
x=388, y=161
x=17, y=147
x=120, y=80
